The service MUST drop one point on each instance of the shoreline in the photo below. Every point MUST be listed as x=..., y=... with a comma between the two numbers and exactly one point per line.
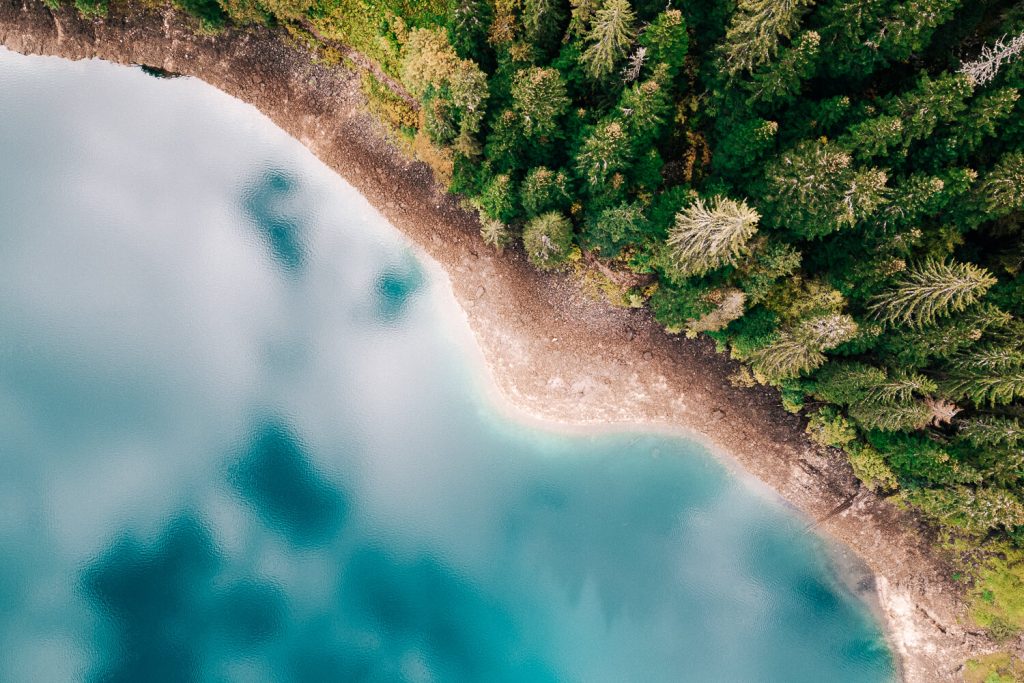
x=555, y=357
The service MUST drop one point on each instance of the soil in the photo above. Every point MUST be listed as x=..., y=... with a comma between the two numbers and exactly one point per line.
x=553, y=352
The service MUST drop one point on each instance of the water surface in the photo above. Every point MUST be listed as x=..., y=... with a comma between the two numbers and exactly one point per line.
x=239, y=440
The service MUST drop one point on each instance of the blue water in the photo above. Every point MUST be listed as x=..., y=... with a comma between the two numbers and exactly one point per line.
x=239, y=441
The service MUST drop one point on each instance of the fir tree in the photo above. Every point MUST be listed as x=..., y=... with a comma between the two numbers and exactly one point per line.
x=609, y=38
x=801, y=349
x=993, y=430
x=930, y=290
x=892, y=416
x=544, y=190
x=706, y=237
x=815, y=190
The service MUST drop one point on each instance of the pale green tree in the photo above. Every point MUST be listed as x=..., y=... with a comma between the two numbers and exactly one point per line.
x=610, y=36
x=708, y=236
x=548, y=240
x=931, y=290
x=756, y=28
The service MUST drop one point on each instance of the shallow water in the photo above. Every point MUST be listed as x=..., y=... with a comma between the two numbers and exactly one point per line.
x=240, y=440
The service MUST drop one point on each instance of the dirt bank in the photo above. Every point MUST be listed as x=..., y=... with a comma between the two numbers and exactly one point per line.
x=553, y=353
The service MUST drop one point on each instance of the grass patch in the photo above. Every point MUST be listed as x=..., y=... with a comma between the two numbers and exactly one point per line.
x=998, y=667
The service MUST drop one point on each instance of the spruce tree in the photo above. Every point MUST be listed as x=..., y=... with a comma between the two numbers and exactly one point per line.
x=801, y=349
x=931, y=290
x=706, y=237
x=609, y=38
x=814, y=190
x=993, y=430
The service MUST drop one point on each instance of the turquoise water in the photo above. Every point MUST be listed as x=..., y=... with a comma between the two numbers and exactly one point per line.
x=240, y=441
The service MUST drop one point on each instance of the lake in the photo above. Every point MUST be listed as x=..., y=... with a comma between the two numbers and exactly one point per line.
x=241, y=440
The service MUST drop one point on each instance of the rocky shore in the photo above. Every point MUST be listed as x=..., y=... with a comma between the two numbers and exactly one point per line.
x=554, y=353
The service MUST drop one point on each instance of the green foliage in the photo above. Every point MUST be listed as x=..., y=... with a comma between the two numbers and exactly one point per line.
x=814, y=190
x=930, y=290
x=548, y=240
x=92, y=9
x=870, y=468
x=828, y=427
x=755, y=31
x=874, y=269
x=539, y=97
x=544, y=190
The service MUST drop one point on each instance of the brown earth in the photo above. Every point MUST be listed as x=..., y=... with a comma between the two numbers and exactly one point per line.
x=553, y=352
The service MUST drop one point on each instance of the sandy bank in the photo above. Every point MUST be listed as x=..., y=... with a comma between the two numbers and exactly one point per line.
x=553, y=353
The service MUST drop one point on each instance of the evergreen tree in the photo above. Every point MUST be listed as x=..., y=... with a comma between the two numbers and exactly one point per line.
x=901, y=415
x=609, y=38
x=706, y=237
x=543, y=21
x=603, y=153
x=801, y=349
x=757, y=26
x=665, y=41
x=815, y=190
x=993, y=430
x=548, y=240
x=930, y=290
x=544, y=190
x=1003, y=187
x=779, y=81
x=614, y=228
x=539, y=97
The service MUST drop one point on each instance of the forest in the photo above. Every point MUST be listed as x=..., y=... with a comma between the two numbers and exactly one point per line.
x=833, y=191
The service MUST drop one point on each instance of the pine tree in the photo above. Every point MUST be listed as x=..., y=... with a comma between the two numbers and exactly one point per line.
x=548, y=240
x=706, y=237
x=1003, y=187
x=863, y=35
x=539, y=97
x=614, y=228
x=757, y=26
x=930, y=290
x=494, y=233
x=932, y=102
x=983, y=118
x=644, y=106
x=582, y=15
x=902, y=386
x=666, y=41
x=991, y=373
x=609, y=38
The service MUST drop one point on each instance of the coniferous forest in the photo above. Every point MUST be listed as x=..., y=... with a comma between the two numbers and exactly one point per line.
x=833, y=191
